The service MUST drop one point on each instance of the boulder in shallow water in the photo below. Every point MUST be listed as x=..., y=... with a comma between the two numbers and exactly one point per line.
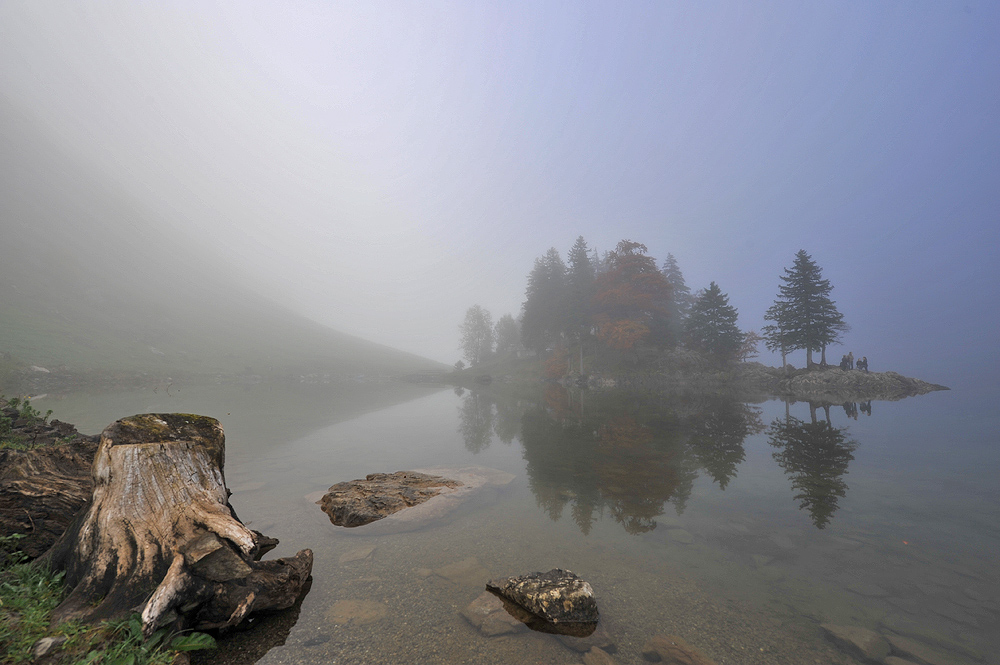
x=858, y=641
x=378, y=495
x=384, y=503
x=558, y=597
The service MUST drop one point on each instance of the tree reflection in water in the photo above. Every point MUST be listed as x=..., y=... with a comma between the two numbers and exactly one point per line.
x=816, y=456
x=624, y=453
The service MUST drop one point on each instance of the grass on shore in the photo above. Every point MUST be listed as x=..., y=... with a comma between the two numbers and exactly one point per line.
x=29, y=593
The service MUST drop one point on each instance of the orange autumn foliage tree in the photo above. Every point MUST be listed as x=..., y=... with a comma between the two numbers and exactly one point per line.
x=622, y=334
x=557, y=365
x=632, y=298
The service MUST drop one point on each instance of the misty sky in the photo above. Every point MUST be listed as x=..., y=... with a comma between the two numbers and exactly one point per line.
x=383, y=166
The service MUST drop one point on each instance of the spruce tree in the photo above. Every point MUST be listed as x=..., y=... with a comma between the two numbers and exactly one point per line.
x=580, y=282
x=804, y=316
x=680, y=299
x=545, y=305
x=711, y=324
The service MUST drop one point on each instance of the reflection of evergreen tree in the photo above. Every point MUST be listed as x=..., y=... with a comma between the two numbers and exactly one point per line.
x=717, y=434
x=816, y=456
x=476, y=421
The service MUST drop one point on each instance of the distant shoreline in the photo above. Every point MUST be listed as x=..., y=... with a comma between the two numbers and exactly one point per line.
x=749, y=381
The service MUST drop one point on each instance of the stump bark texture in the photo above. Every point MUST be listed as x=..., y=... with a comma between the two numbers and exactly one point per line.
x=159, y=536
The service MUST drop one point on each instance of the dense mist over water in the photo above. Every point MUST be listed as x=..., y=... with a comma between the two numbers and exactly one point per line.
x=378, y=169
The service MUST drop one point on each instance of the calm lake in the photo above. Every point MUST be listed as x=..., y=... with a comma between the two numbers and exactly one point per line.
x=740, y=528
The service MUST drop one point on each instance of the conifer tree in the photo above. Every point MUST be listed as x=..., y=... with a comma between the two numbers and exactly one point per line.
x=680, y=300
x=711, y=324
x=545, y=305
x=804, y=316
x=580, y=282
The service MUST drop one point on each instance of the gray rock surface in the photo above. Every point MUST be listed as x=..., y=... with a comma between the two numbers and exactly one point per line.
x=917, y=651
x=378, y=495
x=406, y=500
x=487, y=614
x=673, y=650
x=558, y=596
x=858, y=641
x=598, y=656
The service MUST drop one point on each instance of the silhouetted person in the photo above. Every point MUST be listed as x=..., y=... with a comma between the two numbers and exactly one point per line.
x=844, y=362
x=866, y=407
x=850, y=360
x=863, y=363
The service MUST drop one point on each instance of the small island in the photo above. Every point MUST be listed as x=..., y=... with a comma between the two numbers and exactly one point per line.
x=618, y=320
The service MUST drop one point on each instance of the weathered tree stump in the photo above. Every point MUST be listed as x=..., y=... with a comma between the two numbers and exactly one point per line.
x=160, y=537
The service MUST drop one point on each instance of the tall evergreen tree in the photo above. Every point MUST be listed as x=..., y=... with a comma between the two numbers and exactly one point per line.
x=804, y=316
x=545, y=305
x=477, y=335
x=680, y=299
x=580, y=280
x=711, y=324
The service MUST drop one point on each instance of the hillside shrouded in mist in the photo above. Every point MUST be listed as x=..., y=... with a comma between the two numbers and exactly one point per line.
x=92, y=279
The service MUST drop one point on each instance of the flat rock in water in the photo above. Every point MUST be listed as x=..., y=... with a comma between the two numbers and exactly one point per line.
x=360, y=502
x=913, y=650
x=467, y=571
x=395, y=505
x=673, y=650
x=858, y=641
x=488, y=615
x=558, y=596
x=357, y=554
x=598, y=656
x=357, y=612
x=599, y=638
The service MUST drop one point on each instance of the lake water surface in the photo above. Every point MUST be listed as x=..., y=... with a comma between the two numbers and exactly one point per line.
x=739, y=527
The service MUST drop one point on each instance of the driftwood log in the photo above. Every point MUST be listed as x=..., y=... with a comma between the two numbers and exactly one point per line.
x=41, y=489
x=159, y=536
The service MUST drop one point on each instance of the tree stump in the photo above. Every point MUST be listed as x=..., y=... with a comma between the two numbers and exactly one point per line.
x=159, y=536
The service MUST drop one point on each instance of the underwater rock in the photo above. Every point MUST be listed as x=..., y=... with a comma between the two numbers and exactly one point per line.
x=597, y=656
x=487, y=614
x=558, y=596
x=673, y=650
x=911, y=649
x=599, y=638
x=858, y=641
x=468, y=571
x=357, y=612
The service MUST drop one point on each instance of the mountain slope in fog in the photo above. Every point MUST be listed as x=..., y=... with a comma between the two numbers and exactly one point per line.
x=92, y=279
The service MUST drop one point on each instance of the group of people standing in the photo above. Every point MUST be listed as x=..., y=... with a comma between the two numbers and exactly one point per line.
x=847, y=362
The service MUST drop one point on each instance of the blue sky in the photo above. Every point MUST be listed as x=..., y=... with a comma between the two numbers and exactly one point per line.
x=392, y=164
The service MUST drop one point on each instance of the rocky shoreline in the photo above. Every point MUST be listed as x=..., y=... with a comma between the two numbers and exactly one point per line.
x=756, y=382
x=684, y=372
